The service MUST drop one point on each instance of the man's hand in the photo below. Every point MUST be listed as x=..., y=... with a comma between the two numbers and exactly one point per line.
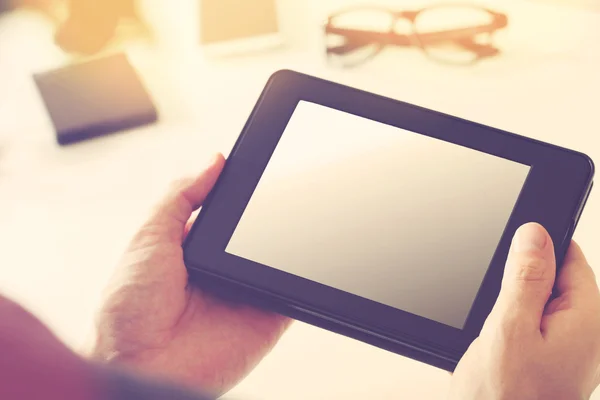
x=153, y=321
x=530, y=350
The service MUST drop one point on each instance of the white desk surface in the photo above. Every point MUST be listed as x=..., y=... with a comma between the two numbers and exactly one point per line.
x=67, y=213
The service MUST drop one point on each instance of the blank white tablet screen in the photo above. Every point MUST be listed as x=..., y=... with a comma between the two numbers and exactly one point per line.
x=387, y=214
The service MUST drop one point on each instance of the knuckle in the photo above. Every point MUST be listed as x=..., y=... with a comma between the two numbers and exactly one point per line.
x=532, y=269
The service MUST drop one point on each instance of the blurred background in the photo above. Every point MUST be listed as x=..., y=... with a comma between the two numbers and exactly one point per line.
x=67, y=212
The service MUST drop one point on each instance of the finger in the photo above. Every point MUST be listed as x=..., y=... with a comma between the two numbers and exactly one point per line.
x=188, y=226
x=169, y=219
x=528, y=278
x=576, y=278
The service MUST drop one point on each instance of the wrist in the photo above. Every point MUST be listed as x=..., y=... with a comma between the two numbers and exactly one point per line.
x=119, y=384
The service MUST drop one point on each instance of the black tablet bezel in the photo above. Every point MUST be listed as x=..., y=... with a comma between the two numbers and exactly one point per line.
x=553, y=195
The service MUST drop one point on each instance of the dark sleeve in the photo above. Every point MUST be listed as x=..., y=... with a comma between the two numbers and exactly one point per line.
x=126, y=386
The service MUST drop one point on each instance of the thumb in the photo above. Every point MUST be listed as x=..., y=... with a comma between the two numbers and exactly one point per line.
x=168, y=220
x=528, y=277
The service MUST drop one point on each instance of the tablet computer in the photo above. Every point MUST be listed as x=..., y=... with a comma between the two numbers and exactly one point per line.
x=377, y=219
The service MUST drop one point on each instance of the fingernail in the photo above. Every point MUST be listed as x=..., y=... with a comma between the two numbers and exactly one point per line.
x=213, y=159
x=530, y=237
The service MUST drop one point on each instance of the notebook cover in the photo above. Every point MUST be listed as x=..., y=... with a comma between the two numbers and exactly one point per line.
x=95, y=98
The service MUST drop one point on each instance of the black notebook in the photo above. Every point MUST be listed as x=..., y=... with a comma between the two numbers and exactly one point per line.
x=95, y=98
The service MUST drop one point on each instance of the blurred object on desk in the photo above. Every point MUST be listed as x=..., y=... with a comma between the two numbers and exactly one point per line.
x=230, y=27
x=46, y=7
x=7, y=5
x=95, y=98
x=91, y=25
x=86, y=27
x=453, y=34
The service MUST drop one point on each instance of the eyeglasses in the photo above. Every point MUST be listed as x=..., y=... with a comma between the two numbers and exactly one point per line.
x=455, y=34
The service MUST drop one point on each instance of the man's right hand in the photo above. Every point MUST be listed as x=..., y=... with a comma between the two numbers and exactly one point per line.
x=529, y=349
